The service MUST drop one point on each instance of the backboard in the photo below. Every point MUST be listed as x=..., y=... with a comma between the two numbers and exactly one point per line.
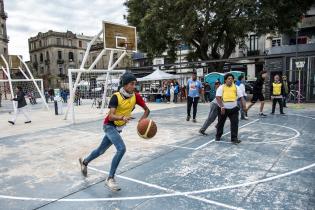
x=119, y=37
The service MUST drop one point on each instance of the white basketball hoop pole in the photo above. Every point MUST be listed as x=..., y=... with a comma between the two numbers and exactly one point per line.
x=110, y=68
x=73, y=88
x=33, y=80
x=7, y=72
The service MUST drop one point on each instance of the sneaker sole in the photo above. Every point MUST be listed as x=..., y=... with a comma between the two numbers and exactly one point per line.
x=112, y=189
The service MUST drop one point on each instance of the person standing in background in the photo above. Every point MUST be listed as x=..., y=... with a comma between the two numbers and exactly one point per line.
x=193, y=89
x=258, y=94
x=241, y=84
x=176, y=91
x=277, y=91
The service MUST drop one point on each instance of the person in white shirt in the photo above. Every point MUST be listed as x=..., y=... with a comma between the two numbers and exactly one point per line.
x=227, y=95
x=241, y=84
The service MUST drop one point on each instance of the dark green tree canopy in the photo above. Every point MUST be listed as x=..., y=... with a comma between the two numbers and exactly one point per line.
x=209, y=24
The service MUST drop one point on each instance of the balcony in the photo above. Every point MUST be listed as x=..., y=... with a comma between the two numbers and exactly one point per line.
x=60, y=61
x=286, y=49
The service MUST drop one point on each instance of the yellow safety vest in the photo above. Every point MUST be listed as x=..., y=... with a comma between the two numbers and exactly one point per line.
x=276, y=89
x=229, y=93
x=124, y=108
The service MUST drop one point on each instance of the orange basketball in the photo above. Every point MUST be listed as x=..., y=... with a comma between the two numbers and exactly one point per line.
x=147, y=128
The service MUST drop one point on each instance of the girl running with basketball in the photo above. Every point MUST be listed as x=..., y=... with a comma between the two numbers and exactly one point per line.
x=121, y=106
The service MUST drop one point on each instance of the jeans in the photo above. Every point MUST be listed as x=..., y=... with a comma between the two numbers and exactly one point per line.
x=232, y=114
x=211, y=117
x=192, y=102
x=112, y=136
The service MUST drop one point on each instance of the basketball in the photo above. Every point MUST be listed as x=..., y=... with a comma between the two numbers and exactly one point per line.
x=146, y=128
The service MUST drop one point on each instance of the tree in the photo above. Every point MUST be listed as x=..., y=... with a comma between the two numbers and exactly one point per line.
x=213, y=28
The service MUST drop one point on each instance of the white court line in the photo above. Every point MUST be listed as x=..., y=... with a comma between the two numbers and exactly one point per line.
x=203, y=145
x=297, y=134
x=163, y=195
x=166, y=189
x=301, y=116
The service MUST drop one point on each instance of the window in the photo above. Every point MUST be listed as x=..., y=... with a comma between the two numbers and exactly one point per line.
x=35, y=58
x=276, y=42
x=47, y=55
x=71, y=56
x=59, y=55
x=2, y=29
x=40, y=43
x=80, y=44
x=253, y=42
x=60, y=70
x=70, y=42
x=58, y=41
x=4, y=51
x=41, y=58
x=302, y=40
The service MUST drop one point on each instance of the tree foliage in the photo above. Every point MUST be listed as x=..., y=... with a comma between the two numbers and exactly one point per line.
x=213, y=28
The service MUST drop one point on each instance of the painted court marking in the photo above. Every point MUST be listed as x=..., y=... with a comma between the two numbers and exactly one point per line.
x=205, y=144
x=312, y=118
x=162, y=195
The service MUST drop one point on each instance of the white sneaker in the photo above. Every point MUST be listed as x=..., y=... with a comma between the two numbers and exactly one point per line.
x=112, y=184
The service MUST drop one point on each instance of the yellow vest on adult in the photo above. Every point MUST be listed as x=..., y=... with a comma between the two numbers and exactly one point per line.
x=276, y=89
x=124, y=108
x=229, y=93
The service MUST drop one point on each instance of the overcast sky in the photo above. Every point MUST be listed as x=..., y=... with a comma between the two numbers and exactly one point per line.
x=28, y=17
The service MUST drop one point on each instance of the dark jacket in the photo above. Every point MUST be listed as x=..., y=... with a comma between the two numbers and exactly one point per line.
x=20, y=99
x=258, y=85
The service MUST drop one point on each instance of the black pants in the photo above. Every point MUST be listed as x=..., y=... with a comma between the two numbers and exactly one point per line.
x=274, y=103
x=192, y=101
x=232, y=114
x=175, y=97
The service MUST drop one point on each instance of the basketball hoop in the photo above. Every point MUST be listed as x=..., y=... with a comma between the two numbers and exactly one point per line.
x=128, y=46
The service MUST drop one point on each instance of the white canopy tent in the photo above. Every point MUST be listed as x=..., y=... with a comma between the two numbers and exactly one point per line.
x=158, y=75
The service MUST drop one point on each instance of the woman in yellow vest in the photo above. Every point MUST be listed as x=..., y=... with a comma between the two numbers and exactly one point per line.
x=227, y=95
x=277, y=92
x=121, y=105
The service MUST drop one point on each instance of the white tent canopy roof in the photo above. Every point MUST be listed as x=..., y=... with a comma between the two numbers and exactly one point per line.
x=158, y=75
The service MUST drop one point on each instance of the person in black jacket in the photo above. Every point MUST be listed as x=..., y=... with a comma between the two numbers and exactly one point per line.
x=258, y=93
x=20, y=98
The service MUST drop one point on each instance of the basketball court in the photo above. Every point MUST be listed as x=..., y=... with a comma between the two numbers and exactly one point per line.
x=273, y=167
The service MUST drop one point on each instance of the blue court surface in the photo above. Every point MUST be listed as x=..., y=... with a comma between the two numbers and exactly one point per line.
x=273, y=167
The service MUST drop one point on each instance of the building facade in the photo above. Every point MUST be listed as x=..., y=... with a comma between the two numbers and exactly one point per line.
x=52, y=53
x=4, y=39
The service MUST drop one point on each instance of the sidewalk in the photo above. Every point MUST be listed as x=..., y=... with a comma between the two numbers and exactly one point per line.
x=42, y=119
